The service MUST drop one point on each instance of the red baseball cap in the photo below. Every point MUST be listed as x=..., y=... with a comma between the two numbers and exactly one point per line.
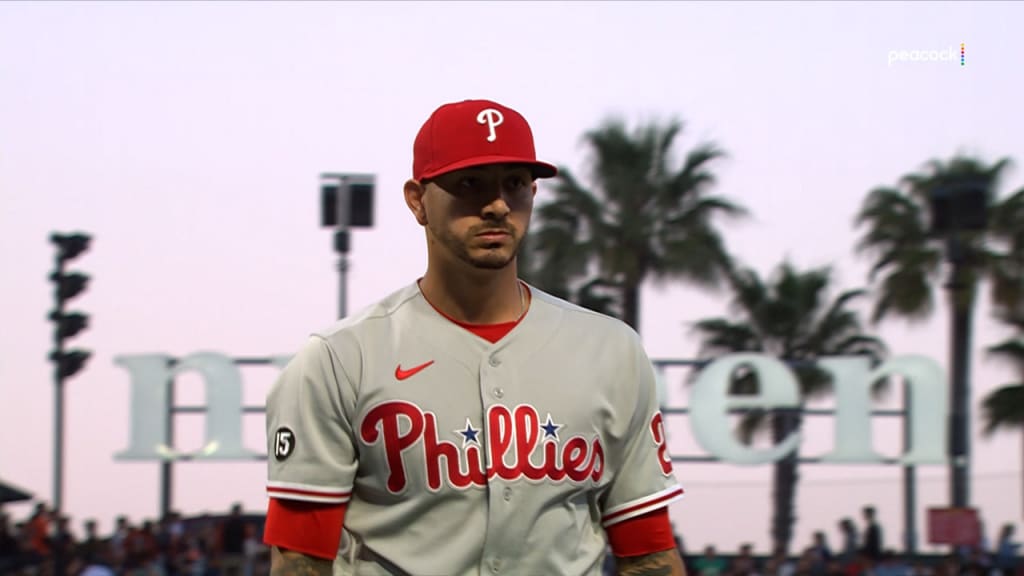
x=473, y=133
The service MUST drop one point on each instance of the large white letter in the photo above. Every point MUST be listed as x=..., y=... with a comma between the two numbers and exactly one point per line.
x=152, y=374
x=710, y=403
x=853, y=378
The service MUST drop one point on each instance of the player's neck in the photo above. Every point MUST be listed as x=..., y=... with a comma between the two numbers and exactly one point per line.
x=480, y=297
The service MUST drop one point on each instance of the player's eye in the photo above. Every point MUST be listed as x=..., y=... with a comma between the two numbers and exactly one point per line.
x=518, y=183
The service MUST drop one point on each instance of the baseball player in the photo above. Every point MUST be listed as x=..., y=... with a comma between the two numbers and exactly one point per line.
x=469, y=423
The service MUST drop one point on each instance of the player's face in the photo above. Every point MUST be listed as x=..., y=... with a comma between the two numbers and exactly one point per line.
x=480, y=215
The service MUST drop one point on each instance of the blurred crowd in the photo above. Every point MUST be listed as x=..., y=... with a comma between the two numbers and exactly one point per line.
x=231, y=545
x=861, y=551
x=227, y=545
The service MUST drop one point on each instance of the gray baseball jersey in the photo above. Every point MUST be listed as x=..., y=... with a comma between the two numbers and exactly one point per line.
x=458, y=456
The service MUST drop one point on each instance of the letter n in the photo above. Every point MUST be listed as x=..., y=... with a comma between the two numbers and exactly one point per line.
x=153, y=374
x=853, y=378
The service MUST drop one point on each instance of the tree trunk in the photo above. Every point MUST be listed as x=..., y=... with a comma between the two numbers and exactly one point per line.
x=631, y=305
x=962, y=301
x=786, y=476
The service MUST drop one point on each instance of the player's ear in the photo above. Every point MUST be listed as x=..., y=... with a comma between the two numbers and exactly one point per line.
x=414, y=191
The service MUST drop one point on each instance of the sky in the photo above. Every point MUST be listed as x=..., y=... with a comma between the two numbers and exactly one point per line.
x=188, y=139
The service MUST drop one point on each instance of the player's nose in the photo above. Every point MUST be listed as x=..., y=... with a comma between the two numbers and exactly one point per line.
x=496, y=209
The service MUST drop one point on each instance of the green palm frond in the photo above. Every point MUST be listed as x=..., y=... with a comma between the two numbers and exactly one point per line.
x=814, y=381
x=693, y=180
x=1006, y=275
x=574, y=198
x=895, y=222
x=860, y=345
x=897, y=240
x=1006, y=218
x=906, y=291
x=700, y=256
x=1011, y=351
x=722, y=336
x=749, y=292
x=1013, y=319
x=1004, y=408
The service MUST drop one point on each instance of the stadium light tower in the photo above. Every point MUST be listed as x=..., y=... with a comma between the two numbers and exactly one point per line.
x=66, y=363
x=346, y=201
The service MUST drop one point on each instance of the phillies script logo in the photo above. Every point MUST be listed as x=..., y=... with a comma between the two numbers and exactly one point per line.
x=516, y=433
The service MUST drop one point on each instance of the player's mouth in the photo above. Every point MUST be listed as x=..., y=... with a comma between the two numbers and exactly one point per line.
x=493, y=234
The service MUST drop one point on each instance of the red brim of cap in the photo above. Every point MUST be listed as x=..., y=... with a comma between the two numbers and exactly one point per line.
x=539, y=169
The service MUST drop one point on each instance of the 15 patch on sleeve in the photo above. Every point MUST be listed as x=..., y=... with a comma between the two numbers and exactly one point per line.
x=284, y=443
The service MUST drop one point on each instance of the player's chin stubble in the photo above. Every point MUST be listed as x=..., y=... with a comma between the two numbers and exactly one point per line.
x=482, y=256
x=490, y=257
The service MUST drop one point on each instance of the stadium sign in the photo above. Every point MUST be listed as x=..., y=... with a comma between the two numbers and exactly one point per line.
x=710, y=407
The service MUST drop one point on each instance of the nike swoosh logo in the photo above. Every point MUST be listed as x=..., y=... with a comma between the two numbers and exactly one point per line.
x=403, y=374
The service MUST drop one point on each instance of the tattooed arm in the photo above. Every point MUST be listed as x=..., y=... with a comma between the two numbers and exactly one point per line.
x=667, y=563
x=288, y=563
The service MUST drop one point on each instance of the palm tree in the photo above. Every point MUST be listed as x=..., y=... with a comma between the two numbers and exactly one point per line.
x=640, y=218
x=791, y=318
x=945, y=216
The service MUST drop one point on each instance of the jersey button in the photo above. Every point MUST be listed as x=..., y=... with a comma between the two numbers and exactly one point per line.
x=496, y=565
x=498, y=392
x=494, y=361
x=507, y=493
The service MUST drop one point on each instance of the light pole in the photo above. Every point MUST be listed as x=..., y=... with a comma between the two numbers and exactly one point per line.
x=959, y=209
x=346, y=201
x=66, y=363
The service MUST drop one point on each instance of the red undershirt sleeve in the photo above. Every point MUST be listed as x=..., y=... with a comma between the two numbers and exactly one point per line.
x=311, y=528
x=644, y=534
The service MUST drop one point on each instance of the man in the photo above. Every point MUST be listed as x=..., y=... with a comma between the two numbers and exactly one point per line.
x=850, y=547
x=872, y=535
x=89, y=547
x=232, y=542
x=40, y=540
x=1006, y=551
x=470, y=424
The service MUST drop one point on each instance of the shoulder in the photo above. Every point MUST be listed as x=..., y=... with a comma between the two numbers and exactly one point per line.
x=575, y=318
x=381, y=311
x=370, y=323
x=344, y=339
x=577, y=313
